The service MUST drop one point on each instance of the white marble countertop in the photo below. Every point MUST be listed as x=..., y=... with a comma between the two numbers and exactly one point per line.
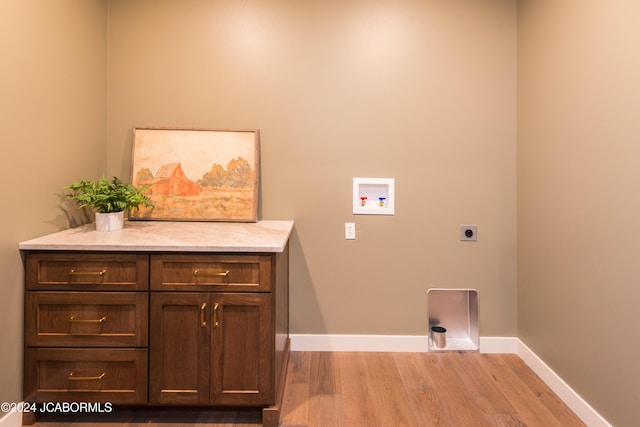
x=261, y=236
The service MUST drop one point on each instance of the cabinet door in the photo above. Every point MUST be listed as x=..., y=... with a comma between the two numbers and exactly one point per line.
x=179, y=348
x=242, y=371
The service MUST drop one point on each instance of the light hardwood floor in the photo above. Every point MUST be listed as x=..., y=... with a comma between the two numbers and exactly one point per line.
x=381, y=390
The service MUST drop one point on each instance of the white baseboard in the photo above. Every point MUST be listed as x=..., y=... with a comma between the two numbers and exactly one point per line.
x=382, y=343
x=11, y=419
x=391, y=343
x=415, y=343
x=572, y=399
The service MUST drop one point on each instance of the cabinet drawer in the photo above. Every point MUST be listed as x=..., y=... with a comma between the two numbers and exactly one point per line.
x=87, y=271
x=228, y=273
x=88, y=375
x=86, y=319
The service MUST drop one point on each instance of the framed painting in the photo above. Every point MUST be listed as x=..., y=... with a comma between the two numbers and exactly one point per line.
x=197, y=175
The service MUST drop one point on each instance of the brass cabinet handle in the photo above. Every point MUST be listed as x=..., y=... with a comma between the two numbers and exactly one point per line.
x=203, y=322
x=72, y=377
x=199, y=273
x=215, y=315
x=87, y=273
x=73, y=319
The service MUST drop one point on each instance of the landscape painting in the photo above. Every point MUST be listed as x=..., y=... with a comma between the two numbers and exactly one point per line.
x=197, y=175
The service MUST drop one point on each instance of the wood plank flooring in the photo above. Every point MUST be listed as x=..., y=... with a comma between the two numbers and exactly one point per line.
x=381, y=390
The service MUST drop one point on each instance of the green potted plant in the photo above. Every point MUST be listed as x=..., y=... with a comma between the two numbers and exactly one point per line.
x=109, y=199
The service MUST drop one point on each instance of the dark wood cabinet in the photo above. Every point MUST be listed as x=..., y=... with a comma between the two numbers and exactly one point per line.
x=211, y=349
x=86, y=327
x=157, y=328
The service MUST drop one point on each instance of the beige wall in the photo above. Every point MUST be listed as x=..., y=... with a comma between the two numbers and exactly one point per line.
x=421, y=91
x=52, y=131
x=578, y=204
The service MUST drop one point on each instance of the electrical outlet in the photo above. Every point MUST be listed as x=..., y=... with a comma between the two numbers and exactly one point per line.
x=468, y=233
x=350, y=230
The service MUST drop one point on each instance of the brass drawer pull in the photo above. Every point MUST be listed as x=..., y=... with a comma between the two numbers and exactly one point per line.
x=215, y=315
x=203, y=322
x=198, y=273
x=72, y=377
x=87, y=273
x=73, y=319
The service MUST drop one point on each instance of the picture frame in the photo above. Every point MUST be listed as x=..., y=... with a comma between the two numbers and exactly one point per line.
x=197, y=174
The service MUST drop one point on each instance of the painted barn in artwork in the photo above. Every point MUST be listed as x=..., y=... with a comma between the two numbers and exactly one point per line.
x=170, y=180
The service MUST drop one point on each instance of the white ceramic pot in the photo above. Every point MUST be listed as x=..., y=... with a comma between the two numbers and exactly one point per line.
x=109, y=221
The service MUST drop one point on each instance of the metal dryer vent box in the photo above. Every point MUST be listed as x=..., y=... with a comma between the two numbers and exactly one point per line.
x=457, y=311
